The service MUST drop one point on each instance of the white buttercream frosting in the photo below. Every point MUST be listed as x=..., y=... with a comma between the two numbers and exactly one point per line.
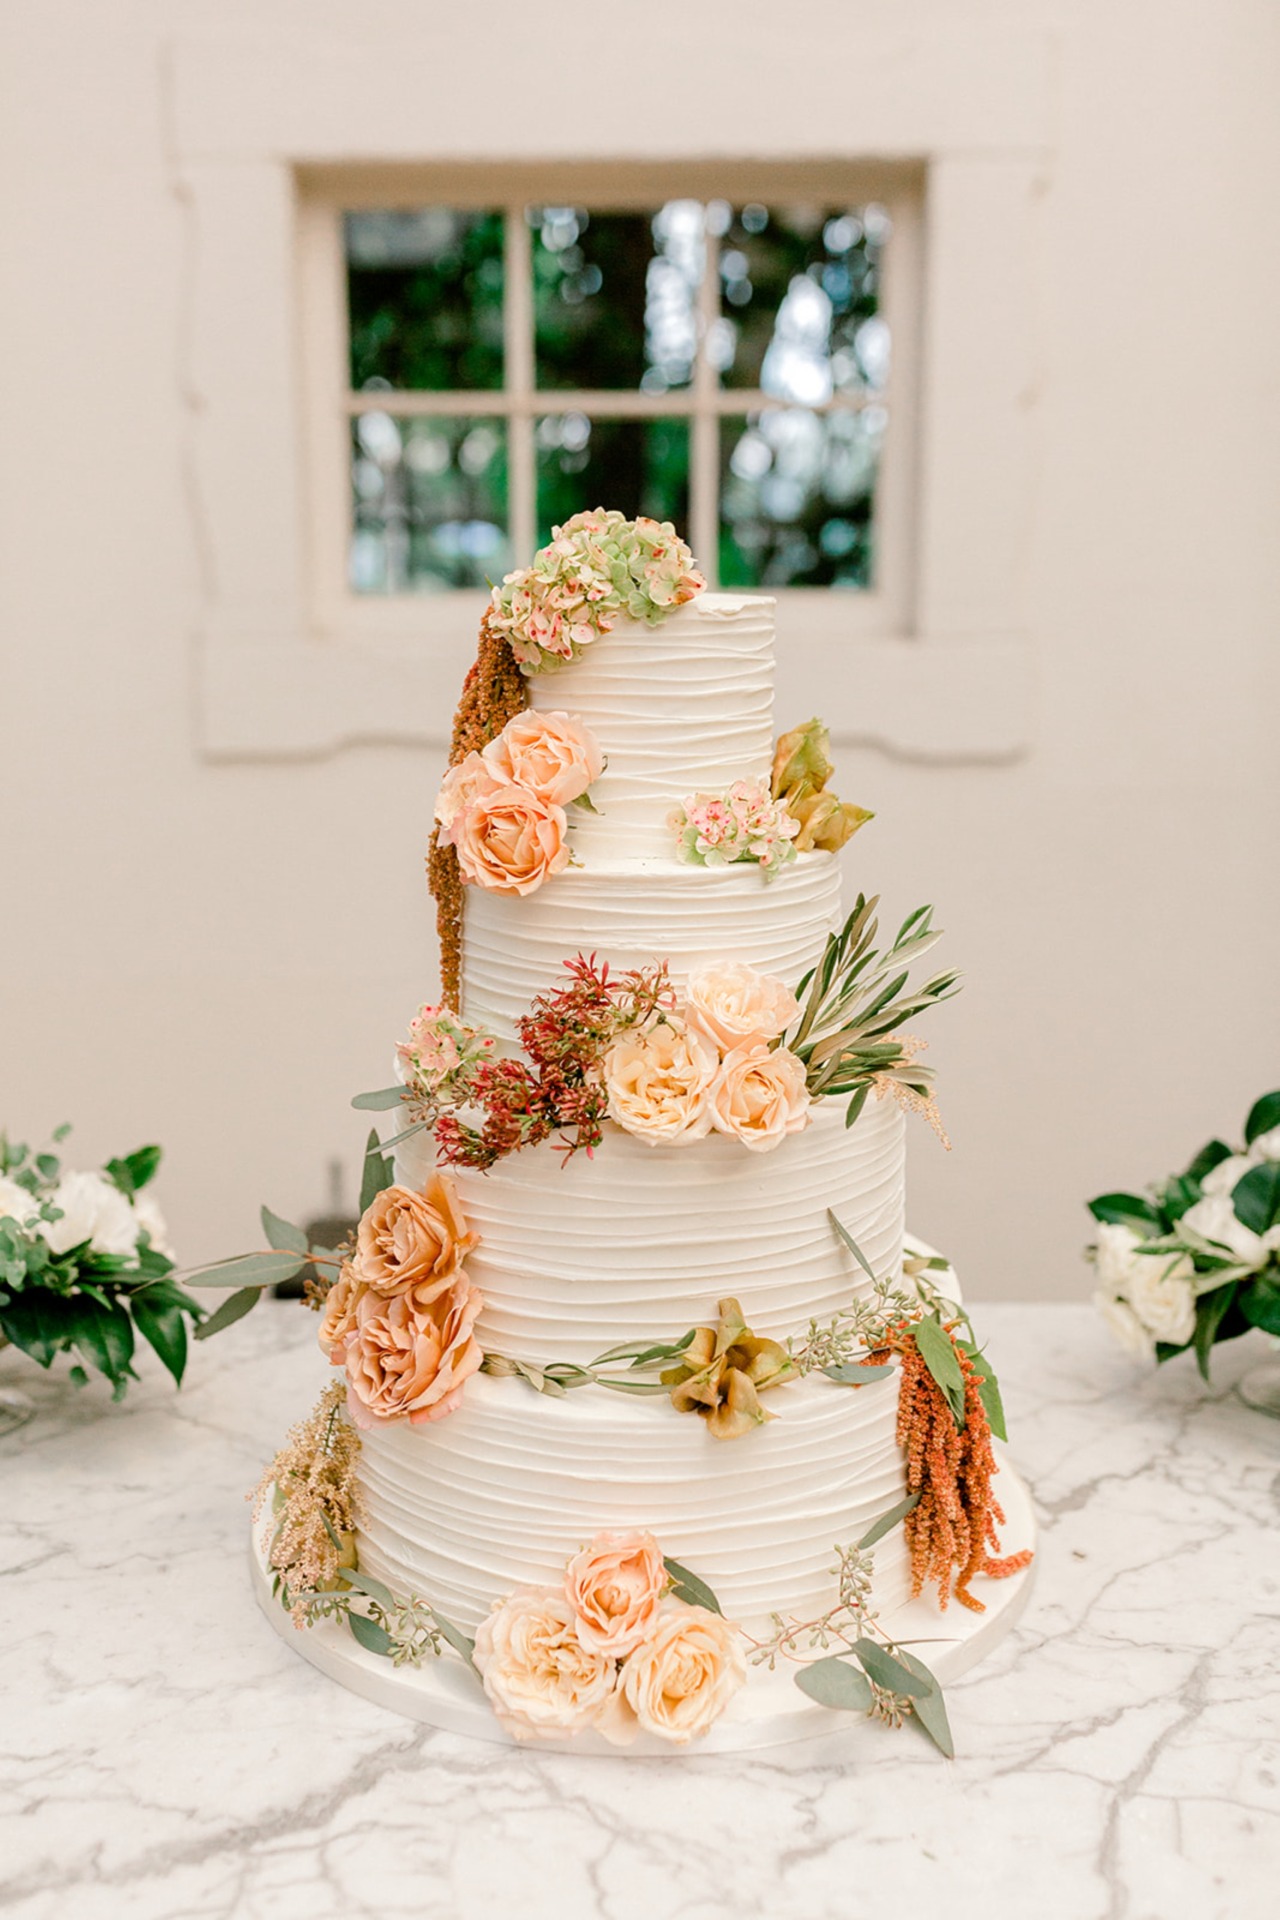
x=681, y=707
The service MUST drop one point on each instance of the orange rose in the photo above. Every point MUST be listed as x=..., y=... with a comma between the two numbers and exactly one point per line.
x=461, y=785
x=552, y=754
x=760, y=1096
x=341, y=1301
x=614, y=1587
x=409, y=1358
x=509, y=840
x=406, y=1236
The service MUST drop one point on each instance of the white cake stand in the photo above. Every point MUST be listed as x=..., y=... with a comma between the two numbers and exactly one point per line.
x=770, y=1710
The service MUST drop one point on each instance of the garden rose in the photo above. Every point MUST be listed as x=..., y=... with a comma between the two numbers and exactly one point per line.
x=552, y=754
x=510, y=841
x=1162, y=1294
x=732, y=1003
x=658, y=1080
x=1264, y=1146
x=1117, y=1259
x=408, y=1358
x=1126, y=1326
x=542, y=1682
x=460, y=787
x=93, y=1209
x=407, y=1236
x=1226, y=1176
x=680, y=1680
x=1214, y=1218
x=614, y=1587
x=338, y=1317
x=760, y=1096
x=150, y=1219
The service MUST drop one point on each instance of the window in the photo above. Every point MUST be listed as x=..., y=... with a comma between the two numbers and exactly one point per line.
x=734, y=352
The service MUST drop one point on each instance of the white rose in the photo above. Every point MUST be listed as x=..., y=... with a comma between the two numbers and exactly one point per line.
x=732, y=1003
x=94, y=1210
x=659, y=1082
x=680, y=1679
x=541, y=1681
x=15, y=1201
x=1266, y=1146
x=1126, y=1326
x=760, y=1096
x=1162, y=1294
x=147, y=1214
x=1223, y=1177
x=1214, y=1218
x=1117, y=1258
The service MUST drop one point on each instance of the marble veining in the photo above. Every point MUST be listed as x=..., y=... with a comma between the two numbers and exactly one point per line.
x=164, y=1756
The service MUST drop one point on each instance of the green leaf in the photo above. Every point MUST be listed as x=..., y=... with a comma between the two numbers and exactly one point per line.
x=938, y=1354
x=229, y=1312
x=365, y=1583
x=1212, y=1154
x=892, y=1674
x=857, y=1103
x=835, y=1682
x=380, y=1102
x=988, y=1389
x=930, y=1708
x=456, y=1638
x=371, y=1636
x=36, y=1321
x=135, y=1170
x=247, y=1270
x=1211, y=1310
x=1178, y=1195
x=163, y=1325
x=1260, y=1304
x=78, y=1377
x=282, y=1233
x=377, y=1171
x=104, y=1336
x=842, y=1233
x=850, y=1374
x=1130, y=1209
x=888, y=1521
x=1256, y=1198
x=687, y=1587
x=1263, y=1115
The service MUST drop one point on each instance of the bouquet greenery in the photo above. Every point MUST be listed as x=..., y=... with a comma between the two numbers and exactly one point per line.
x=85, y=1265
x=1197, y=1259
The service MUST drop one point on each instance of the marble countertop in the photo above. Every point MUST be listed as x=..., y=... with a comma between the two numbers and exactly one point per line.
x=165, y=1756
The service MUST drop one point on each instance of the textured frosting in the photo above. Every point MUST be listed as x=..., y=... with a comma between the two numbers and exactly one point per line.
x=641, y=1242
x=508, y=1488
x=634, y=912
x=679, y=707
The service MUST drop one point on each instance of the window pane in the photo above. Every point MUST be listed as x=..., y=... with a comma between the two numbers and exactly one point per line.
x=797, y=490
x=633, y=466
x=424, y=295
x=615, y=296
x=799, y=298
x=429, y=502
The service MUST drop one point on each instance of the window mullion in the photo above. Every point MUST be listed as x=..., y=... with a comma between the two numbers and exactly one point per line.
x=518, y=345
x=704, y=433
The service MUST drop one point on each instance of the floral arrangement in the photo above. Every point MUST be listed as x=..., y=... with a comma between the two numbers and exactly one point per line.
x=86, y=1265
x=802, y=766
x=1196, y=1260
x=598, y=567
x=742, y=824
x=502, y=809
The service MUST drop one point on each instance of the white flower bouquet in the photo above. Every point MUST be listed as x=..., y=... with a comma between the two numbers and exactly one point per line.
x=1197, y=1260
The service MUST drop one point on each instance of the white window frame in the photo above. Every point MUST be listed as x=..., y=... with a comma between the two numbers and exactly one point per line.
x=255, y=120
x=882, y=608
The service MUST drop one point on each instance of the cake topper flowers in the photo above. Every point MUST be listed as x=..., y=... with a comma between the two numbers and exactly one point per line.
x=598, y=567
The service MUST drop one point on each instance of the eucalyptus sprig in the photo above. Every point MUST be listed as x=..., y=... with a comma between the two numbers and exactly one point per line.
x=622, y=1369
x=856, y=1001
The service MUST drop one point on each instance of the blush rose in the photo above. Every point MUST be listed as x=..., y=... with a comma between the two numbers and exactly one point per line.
x=732, y=1003
x=542, y=1682
x=658, y=1080
x=509, y=840
x=615, y=1586
x=679, y=1681
x=760, y=1096
x=553, y=755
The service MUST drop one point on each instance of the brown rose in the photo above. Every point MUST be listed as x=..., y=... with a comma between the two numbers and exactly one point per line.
x=407, y=1236
x=408, y=1358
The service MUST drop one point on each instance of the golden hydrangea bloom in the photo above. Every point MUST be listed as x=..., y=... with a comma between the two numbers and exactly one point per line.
x=723, y=1372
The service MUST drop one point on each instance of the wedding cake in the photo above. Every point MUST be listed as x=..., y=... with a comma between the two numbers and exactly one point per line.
x=642, y=1390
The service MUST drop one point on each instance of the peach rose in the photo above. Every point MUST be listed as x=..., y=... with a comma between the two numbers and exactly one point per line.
x=680, y=1680
x=542, y=1682
x=732, y=1003
x=760, y=1096
x=614, y=1587
x=407, y=1236
x=461, y=785
x=339, y=1316
x=658, y=1080
x=408, y=1358
x=509, y=840
x=552, y=754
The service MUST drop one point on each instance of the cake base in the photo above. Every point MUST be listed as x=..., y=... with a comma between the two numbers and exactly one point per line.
x=770, y=1710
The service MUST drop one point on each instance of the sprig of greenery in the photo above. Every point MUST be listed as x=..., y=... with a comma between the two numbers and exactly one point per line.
x=621, y=1369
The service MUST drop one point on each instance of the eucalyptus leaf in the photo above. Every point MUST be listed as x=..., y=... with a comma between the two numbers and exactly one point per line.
x=842, y=1233
x=836, y=1682
x=377, y=1173
x=888, y=1521
x=930, y=1708
x=847, y=1373
x=938, y=1354
x=456, y=1638
x=282, y=1233
x=246, y=1270
x=1263, y=1115
x=229, y=1312
x=372, y=1637
x=381, y=1101
x=365, y=1583
x=891, y=1674
x=688, y=1587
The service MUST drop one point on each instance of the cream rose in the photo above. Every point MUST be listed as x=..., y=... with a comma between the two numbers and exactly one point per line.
x=338, y=1317
x=1116, y=1258
x=614, y=1587
x=760, y=1096
x=542, y=1682
x=406, y=1236
x=1162, y=1294
x=508, y=840
x=1214, y=1218
x=409, y=1358
x=93, y=1209
x=1227, y=1175
x=1126, y=1326
x=15, y=1202
x=461, y=786
x=658, y=1080
x=732, y=1003
x=681, y=1679
x=552, y=754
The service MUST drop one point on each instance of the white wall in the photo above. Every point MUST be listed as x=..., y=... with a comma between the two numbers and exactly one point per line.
x=218, y=955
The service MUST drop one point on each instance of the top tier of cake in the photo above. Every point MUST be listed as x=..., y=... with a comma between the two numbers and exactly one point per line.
x=678, y=708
